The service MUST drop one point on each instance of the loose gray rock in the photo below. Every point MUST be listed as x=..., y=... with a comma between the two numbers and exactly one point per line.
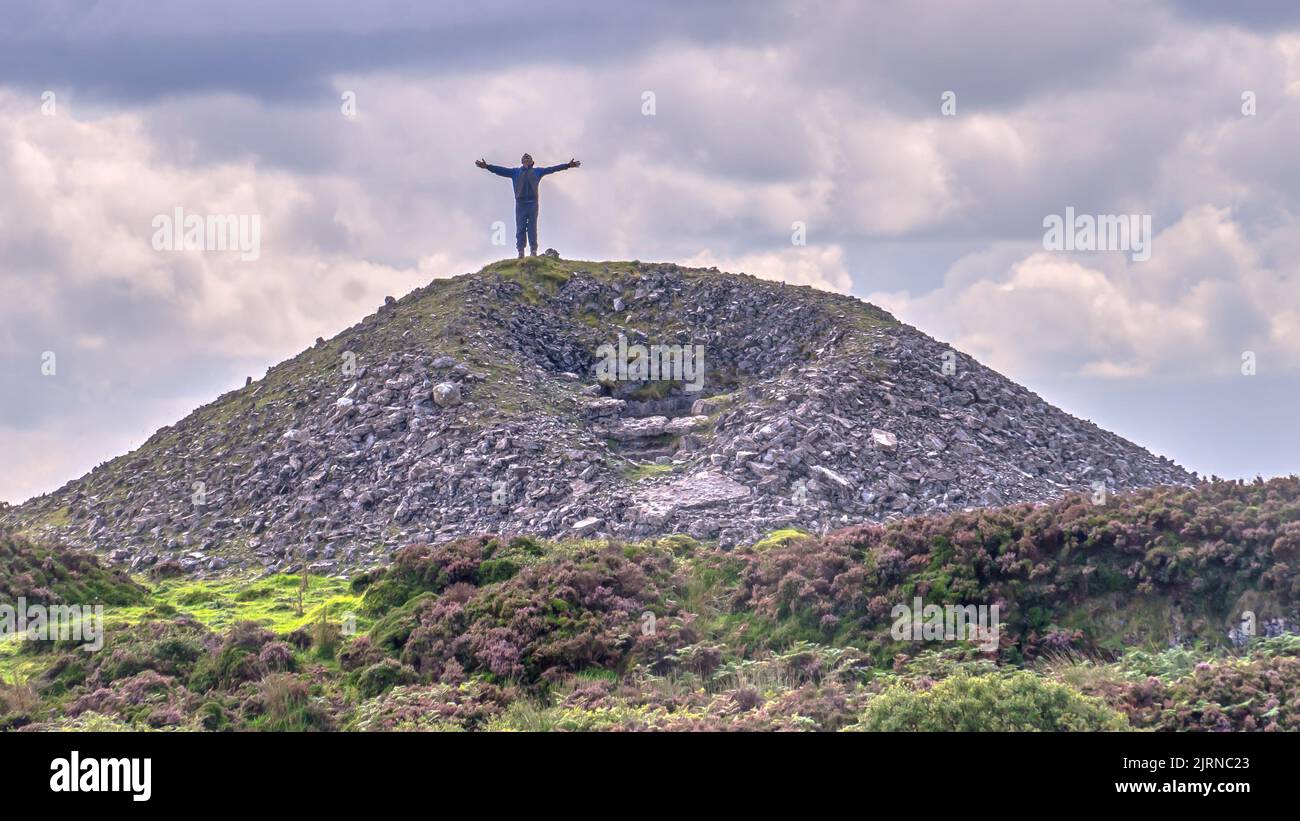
x=446, y=394
x=814, y=411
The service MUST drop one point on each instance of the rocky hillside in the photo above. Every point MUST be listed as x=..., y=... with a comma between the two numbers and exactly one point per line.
x=472, y=405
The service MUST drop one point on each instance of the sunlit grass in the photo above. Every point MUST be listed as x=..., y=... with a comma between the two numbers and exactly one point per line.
x=271, y=601
x=779, y=537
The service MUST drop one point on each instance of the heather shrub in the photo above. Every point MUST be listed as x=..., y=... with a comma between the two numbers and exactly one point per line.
x=1143, y=569
x=1016, y=702
x=437, y=707
x=358, y=653
x=177, y=652
x=492, y=571
x=148, y=698
x=66, y=671
x=668, y=634
x=237, y=659
x=1255, y=694
x=422, y=568
x=277, y=657
x=678, y=544
x=526, y=546
x=384, y=595
x=379, y=677
x=214, y=717
x=391, y=633
x=563, y=614
x=170, y=648
x=53, y=574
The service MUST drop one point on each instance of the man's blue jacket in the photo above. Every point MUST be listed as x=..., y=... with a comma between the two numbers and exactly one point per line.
x=526, y=179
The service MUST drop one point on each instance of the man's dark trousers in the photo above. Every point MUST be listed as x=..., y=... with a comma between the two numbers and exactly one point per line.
x=525, y=224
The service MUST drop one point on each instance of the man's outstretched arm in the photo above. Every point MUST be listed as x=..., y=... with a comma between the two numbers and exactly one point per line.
x=542, y=172
x=500, y=171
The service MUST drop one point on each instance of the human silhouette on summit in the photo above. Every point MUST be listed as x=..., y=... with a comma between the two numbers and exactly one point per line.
x=526, y=179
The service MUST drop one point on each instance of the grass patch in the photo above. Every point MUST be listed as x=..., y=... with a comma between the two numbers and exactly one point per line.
x=635, y=473
x=271, y=601
x=779, y=537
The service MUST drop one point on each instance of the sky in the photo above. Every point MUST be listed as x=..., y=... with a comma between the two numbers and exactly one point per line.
x=921, y=146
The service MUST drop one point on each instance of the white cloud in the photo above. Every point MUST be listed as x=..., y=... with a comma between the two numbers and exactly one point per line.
x=135, y=328
x=1188, y=312
x=788, y=116
x=819, y=266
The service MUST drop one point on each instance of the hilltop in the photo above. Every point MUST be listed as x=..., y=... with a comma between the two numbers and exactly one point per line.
x=472, y=405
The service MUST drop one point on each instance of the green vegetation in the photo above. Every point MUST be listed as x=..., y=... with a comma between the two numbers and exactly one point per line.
x=538, y=276
x=779, y=537
x=673, y=634
x=635, y=473
x=1017, y=702
x=41, y=573
x=271, y=601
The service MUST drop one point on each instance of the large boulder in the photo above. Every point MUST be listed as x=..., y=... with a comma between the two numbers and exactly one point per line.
x=446, y=394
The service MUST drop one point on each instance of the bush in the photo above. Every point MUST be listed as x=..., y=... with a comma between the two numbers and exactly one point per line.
x=384, y=595
x=18, y=703
x=213, y=717
x=278, y=657
x=419, y=568
x=148, y=698
x=1069, y=575
x=466, y=706
x=170, y=648
x=564, y=614
x=1257, y=694
x=496, y=570
x=377, y=678
x=52, y=573
x=990, y=703
x=288, y=707
x=237, y=660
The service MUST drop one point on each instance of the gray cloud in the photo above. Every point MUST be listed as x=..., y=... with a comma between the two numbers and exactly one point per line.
x=766, y=114
x=140, y=51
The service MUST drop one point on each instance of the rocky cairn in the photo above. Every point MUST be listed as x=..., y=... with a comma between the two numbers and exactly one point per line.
x=473, y=405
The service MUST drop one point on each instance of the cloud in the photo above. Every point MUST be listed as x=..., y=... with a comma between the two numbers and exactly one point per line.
x=767, y=114
x=821, y=267
x=132, y=328
x=1188, y=313
x=140, y=52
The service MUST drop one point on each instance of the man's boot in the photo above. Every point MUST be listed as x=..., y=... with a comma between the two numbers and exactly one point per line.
x=521, y=253
x=532, y=252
